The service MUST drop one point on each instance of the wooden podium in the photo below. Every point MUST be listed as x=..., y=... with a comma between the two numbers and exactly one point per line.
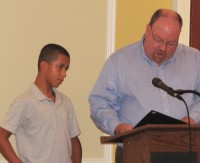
x=159, y=143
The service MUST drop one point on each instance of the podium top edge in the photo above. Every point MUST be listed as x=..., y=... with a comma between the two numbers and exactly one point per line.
x=149, y=127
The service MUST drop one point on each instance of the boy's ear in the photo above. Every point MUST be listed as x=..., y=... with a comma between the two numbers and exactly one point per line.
x=43, y=66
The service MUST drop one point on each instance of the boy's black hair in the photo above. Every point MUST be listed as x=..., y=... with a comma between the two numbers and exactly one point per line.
x=50, y=53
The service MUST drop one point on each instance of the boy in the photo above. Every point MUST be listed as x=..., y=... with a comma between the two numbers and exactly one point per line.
x=43, y=119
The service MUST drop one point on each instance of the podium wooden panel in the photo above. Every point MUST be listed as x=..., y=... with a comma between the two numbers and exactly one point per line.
x=141, y=143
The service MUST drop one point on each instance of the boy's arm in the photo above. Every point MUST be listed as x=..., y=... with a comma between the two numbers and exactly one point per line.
x=76, y=150
x=5, y=147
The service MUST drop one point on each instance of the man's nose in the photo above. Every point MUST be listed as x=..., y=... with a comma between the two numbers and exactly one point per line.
x=163, y=47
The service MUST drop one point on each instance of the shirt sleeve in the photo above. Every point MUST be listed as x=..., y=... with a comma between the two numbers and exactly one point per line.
x=104, y=99
x=195, y=107
x=14, y=117
x=74, y=129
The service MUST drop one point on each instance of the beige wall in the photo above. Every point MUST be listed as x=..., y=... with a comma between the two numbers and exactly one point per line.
x=26, y=26
x=132, y=18
x=81, y=27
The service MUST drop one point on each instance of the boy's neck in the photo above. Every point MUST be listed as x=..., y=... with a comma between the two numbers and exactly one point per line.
x=45, y=89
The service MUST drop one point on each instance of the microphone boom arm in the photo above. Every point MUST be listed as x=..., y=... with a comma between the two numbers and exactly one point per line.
x=180, y=92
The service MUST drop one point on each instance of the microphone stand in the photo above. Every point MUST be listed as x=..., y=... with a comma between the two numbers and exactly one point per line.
x=189, y=125
x=180, y=92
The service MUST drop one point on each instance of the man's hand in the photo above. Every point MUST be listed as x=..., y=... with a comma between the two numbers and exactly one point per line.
x=121, y=128
x=185, y=119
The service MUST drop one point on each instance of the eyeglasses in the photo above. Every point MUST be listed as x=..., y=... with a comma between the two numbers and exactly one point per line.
x=158, y=41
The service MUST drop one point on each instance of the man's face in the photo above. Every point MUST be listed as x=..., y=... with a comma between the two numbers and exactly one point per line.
x=161, y=40
x=56, y=71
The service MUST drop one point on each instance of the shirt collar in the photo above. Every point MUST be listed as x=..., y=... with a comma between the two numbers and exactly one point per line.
x=40, y=96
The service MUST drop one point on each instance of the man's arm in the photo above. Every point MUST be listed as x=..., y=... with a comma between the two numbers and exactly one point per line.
x=5, y=147
x=76, y=150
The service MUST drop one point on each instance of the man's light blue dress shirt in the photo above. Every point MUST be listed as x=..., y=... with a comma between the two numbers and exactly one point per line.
x=124, y=92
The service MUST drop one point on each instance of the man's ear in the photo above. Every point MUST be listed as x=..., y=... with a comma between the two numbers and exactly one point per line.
x=148, y=27
x=43, y=66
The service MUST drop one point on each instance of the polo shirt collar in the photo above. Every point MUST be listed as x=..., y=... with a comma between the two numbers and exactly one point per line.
x=40, y=96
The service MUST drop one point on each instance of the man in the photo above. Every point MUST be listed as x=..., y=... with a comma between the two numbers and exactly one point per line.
x=124, y=94
x=43, y=119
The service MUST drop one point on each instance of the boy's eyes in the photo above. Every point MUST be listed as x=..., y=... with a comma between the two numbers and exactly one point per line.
x=63, y=67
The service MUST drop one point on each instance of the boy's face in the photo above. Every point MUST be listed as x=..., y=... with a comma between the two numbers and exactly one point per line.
x=56, y=71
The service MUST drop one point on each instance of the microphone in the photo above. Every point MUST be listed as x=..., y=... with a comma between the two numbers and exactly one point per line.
x=159, y=84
